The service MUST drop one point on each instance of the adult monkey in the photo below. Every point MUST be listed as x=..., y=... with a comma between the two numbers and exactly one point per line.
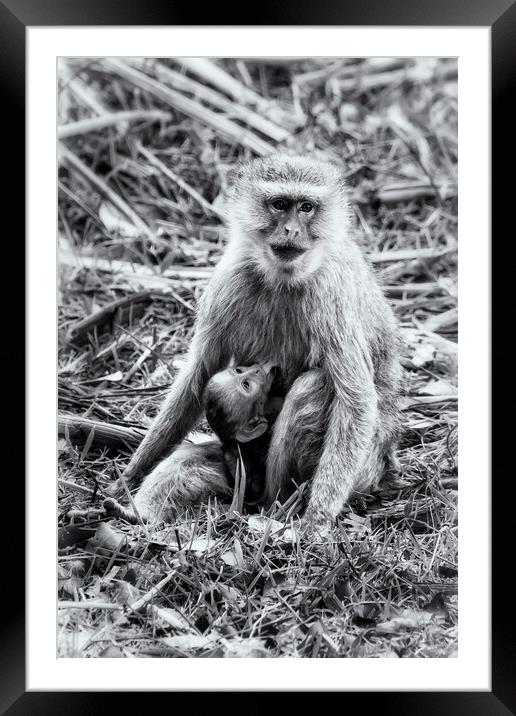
x=293, y=289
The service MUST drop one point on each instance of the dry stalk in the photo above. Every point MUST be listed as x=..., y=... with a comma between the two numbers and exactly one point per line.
x=234, y=110
x=180, y=182
x=80, y=429
x=86, y=174
x=83, y=126
x=190, y=107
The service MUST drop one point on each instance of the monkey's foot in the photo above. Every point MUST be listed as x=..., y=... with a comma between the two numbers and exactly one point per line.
x=115, y=509
x=87, y=515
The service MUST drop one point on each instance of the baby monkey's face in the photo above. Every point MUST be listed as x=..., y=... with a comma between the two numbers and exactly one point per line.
x=246, y=384
x=235, y=401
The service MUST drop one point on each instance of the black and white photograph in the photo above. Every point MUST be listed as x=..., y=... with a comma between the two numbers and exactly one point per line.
x=257, y=357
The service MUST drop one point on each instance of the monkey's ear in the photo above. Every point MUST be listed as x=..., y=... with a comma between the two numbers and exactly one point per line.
x=252, y=430
x=234, y=175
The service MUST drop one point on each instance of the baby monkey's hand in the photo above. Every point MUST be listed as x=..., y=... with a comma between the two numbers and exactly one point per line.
x=115, y=509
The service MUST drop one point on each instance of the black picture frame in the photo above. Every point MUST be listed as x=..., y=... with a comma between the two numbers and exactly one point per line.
x=15, y=17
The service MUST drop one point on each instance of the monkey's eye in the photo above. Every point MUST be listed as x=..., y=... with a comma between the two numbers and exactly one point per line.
x=238, y=370
x=246, y=385
x=279, y=204
x=306, y=206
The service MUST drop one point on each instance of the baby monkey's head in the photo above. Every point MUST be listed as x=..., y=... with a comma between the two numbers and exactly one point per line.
x=234, y=400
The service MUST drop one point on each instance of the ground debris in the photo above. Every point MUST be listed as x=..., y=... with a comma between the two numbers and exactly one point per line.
x=140, y=224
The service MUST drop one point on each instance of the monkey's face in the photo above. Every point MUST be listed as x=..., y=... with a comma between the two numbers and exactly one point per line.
x=286, y=211
x=235, y=401
x=289, y=241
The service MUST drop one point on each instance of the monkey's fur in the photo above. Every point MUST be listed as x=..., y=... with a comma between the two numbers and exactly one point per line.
x=241, y=411
x=189, y=475
x=241, y=419
x=292, y=288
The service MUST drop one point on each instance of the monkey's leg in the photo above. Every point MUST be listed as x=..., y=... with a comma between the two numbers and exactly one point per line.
x=381, y=463
x=298, y=434
x=350, y=436
x=188, y=476
x=176, y=418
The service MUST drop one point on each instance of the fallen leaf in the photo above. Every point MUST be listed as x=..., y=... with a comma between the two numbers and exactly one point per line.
x=70, y=643
x=125, y=593
x=230, y=558
x=358, y=523
x=289, y=535
x=70, y=576
x=389, y=654
x=420, y=423
x=448, y=572
x=229, y=594
x=106, y=538
x=372, y=122
x=449, y=285
x=282, y=584
x=69, y=535
x=239, y=648
x=95, y=586
x=407, y=619
x=111, y=377
x=423, y=354
x=109, y=578
x=239, y=553
x=201, y=544
x=437, y=605
x=438, y=387
x=259, y=523
x=170, y=617
x=186, y=642
x=112, y=652
x=348, y=113
x=234, y=557
x=62, y=446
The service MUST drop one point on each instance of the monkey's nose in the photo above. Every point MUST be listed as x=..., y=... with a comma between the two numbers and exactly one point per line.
x=287, y=253
x=292, y=232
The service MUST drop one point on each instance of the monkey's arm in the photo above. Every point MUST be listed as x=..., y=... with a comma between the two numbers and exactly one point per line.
x=297, y=434
x=183, y=405
x=179, y=412
x=349, y=436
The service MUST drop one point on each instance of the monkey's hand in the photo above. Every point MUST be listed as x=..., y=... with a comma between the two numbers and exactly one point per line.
x=115, y=509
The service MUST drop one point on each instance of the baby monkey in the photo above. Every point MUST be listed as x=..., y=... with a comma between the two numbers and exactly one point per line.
x=241, y=405
x=241, y=409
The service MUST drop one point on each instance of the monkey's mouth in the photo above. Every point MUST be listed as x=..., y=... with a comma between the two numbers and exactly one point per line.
x=287, y=253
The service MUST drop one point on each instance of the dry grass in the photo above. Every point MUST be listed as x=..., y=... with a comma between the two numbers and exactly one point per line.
x=141, y=174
